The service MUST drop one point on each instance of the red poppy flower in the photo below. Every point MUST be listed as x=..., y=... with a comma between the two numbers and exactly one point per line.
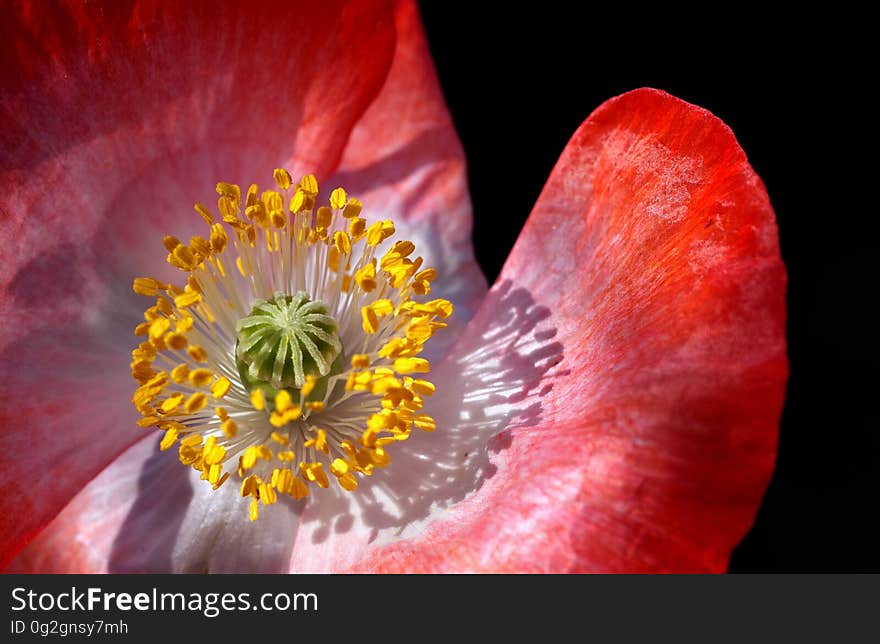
x=611, y=404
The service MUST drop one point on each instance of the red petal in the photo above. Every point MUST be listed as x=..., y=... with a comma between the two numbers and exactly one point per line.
x=404, y=160
x=117, y=119
x=654, y=249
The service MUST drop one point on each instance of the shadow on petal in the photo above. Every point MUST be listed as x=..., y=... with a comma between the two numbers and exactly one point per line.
x=144, y=544
x=489, y=384
x=177, y=523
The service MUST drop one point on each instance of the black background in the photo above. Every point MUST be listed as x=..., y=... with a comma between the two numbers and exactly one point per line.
x=520, y=81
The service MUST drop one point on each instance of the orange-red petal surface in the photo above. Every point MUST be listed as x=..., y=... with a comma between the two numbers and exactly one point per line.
x=650, y=266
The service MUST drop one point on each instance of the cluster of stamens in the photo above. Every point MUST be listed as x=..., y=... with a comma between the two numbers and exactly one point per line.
x=291, y=351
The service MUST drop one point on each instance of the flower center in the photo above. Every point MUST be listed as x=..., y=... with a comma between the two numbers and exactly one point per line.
x=307, y=337
x=285, y=339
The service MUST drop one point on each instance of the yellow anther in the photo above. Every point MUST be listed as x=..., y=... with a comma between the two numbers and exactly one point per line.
x=315, y=405
x=230, y=428
x=429, y=275
x=197, y=353
x=158, y=327
x=402, y=248
x=280, y=419
x=172, y=402
x=251, y=197
x=348, y=482
x=184, y=324
x=280, y=438
x=192, y=440
x=221, y=412
x=142, y=329
x=366, y=277
x=398, y=348
x=315, y=472
x=440, y=307
x=276, y=220
x=352, y=209
x=357, y=228
x=249, y=458
x=220, y=388
x=283, y=401
x=308, y=386
x=169, y=439
x=164, y=306
x=219, y=238
x=147, y=286
x=298, y=201
x=333, y=259
x=319, y=442
x=299, y=489
x=187, y=299
x=425, y=423
x=249, y=485
x=273, y=201
x=183, y=258
x=383, y=385
x=412, y=365
x=323, y=217
x=214, y=453
x=214, y=476
x=360, y=361
x=282, y=178
x=170, y=242
x=204, y=213
x=370, y=321
x=200, y=246
x=201, y=377
x=192, y=284
x=342, y=242
x=231, y=191
x=423, y=387
x=258, y=401
x=339, y=467
x=229, y=209
x=286, y=456
x=359, y=381
x=258, y=214
x=195, y=402
x=175, y=340
x=267, y=494
x=382, y=307
x=338, y=198
x=254, y=510
x=377, y=422
x=379, y=231
x=309, y=185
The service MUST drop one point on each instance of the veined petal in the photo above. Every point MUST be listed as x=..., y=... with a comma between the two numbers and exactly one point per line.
x=404, y=158
x=145, y=513
x=652, y=264
x=116, y=119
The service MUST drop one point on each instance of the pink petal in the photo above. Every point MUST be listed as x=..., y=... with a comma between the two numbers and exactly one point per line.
x=404, y=161
x=148, y=513
x=117, y=119
x=651, y=266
